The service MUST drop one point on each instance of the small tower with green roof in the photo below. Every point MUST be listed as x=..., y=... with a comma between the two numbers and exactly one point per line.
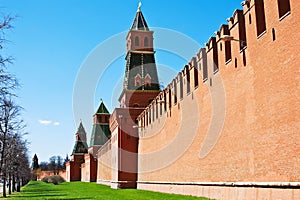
x=100, y=133
x=73, y=167
x=80, y=146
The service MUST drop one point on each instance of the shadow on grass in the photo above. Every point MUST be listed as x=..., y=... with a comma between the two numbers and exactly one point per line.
x=80, y=190
x=38, y=195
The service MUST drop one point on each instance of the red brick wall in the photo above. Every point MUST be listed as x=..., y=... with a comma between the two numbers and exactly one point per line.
x=104, y=169
x=259, y=138
x=43, y=174
x=89, y=169
x=124, y=143
x=73, y=168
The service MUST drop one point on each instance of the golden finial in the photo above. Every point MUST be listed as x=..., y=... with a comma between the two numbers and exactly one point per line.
x=139, y=7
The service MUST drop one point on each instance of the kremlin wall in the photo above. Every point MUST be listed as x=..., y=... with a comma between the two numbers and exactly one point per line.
x=226, y=127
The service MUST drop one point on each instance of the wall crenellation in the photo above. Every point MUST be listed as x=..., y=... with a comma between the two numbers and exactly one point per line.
x=237, y=97
x=225, y=54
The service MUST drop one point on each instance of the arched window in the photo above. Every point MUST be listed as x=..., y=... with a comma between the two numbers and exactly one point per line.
x=136, y=41
x=137, y=81
x=146, y=42
x=148, y=80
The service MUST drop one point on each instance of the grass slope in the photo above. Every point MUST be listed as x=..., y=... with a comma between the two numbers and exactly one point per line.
x=80, y=190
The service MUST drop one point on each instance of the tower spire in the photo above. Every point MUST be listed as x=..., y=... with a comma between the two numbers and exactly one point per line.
x=140, y=72
x=139, y=7
x=139, y=22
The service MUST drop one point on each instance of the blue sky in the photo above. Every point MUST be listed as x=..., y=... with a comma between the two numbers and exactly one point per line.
x=52, y=39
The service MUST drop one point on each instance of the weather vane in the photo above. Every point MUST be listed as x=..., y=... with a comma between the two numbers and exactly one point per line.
x=139, y=7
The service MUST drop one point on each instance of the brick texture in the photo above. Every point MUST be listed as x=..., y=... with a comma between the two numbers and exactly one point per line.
x=247, y=111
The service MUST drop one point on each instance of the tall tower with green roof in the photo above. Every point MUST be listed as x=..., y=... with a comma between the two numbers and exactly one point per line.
x=140, y=87
x=141, y=83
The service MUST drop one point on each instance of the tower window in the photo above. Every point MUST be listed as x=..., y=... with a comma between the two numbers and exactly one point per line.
x=137, y=81
x=136, y=41
x=148, y=81
x=284, y=7
x=260, y=17
x=146, y=42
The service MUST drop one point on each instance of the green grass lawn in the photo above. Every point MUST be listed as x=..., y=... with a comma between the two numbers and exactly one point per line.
x=80, y=190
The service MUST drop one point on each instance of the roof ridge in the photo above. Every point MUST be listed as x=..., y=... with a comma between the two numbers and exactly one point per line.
x=139, y=22
x=102, y=108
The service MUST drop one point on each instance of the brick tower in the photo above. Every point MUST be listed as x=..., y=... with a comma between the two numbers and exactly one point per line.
x=100, y=135
x=100, y=132
x=141, y=81
x=77, y=156
x=140, y=87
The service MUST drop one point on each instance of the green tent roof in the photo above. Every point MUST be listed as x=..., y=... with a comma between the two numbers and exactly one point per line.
x=102, y=109
x=80, y=144
x=100, y=134
x=80, y=147
x=81, y=129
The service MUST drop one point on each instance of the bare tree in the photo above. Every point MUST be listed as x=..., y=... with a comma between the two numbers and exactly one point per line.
x=23, y=171
x=7, y=81
x=52, y=164
x=10, y=122
x=16, y=148
x=13, y=151
x=44, y=166
x=59, y=164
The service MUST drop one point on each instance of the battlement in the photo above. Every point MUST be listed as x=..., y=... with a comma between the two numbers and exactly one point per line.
x=226, y=126
x=230, y=48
